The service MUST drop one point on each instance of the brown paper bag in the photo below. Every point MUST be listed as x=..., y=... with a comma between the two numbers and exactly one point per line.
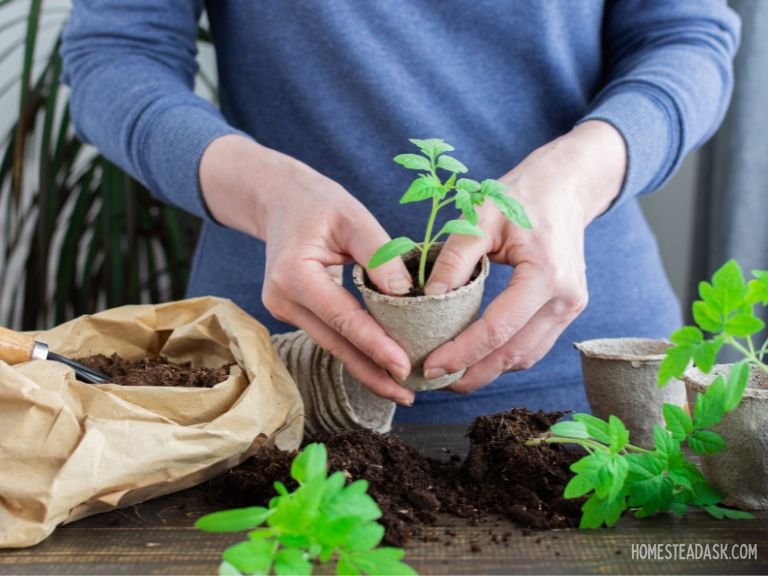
x=69, y=450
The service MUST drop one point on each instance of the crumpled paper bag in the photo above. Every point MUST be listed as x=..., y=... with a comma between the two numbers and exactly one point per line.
x=70, y=450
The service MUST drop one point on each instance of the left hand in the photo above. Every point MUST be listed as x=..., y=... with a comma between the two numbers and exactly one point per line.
x=563, y=185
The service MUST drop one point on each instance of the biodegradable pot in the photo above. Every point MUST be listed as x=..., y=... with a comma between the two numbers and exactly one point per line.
x=620, y=379
x=420, y=324
x=333, y=400
x=740, y=472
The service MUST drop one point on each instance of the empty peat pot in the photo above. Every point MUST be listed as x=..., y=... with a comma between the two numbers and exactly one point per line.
x=620, y=379
x=740, y=472
x=420, y=324
x=333, y=400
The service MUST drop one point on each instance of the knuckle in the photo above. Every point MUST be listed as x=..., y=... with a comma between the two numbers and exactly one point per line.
x=496, y=334
x=344, y=322
x=572, y=303
x=274, y=304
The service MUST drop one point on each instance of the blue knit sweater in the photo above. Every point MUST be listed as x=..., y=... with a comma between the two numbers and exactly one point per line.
x=342, y=84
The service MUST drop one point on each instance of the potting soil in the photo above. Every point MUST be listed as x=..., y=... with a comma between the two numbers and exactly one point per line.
x=501, y=476
x=154, y=372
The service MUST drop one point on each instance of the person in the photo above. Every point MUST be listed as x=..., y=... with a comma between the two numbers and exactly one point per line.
x=579, y=107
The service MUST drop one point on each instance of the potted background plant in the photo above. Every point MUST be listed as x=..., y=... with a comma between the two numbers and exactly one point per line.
x=731, y=437
x=421, y=323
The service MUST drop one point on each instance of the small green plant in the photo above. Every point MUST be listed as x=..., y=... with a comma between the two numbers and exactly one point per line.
x=465, y=193
x=321, y=521
x=616, y=475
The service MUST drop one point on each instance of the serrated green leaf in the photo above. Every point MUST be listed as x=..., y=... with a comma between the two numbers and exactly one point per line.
x=365, y=536
x=596, y=427
x=450, y=164
x=757, y=290
x=290, y=562
x=711, y=296
x=353, y=503
x=728, y=281
x=738, y=378
x=597, y=511
x=590, y=464
x=664, y=445
x=333, y=485
x=383, y=561
x=346, y=567
x=743, y=324
x=467, y=185
x=578, y=486
x=250, y=557
x=491, y=187
x=617, y=433
x=703, y=494
x=226, y=569
x=235, y=520
x=710, y=406
x=707, y=317
x=422, y=188
x=392, y=249
x=674, y=364
x=570, y=429
x=720, y=513
x=413, y=162
x=464, y=203
x=706, y=442
x=508, y=206
x=678, y=422
x=646, y=492
x=460, y=227
x=687, y=336
x=310, y=464
x=618, y=468
x=432, y=147
x=643, y=466
x=705, y=354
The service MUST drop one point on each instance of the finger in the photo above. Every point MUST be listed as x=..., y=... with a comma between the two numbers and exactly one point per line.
x=335, y=306
x=360, y=367
x=360, y=238
x=455, y=263
x=522, y=352
x=503, y=318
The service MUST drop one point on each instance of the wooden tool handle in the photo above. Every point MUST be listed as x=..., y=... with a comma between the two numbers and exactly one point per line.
x=15, y=347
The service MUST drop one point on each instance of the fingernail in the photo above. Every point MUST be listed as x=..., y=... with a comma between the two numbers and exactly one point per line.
x=398, y=372
x=435, y=289
x=399, y=285
x=405, y=401
x=434, y=373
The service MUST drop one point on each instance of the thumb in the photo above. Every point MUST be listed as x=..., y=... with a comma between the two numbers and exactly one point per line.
x=455, y=264
x=362, y=238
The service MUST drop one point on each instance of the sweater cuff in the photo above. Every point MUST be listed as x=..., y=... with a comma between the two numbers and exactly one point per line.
x=173, y=145
x=648, y=120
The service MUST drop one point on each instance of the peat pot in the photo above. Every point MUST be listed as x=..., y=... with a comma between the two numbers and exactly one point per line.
x=740, y=472
x=333, y=400
x=420, y=324
x=620, y=379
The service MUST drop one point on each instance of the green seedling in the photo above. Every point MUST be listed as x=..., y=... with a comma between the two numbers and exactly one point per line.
x=323, y=520
x=464, y=193
x=616, y=475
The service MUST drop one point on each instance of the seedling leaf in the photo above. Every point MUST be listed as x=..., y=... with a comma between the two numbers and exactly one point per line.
x=310, y=464
x=392, y=249
x=706, y=442
x=678, y=422
x=596, y=427
x=738, y=378
x=570, y=429
x=413, y=161
x=233, y=520
x=250, y=557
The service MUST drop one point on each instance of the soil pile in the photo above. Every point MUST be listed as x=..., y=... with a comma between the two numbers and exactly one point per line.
x=501, y=476
x=154, y=372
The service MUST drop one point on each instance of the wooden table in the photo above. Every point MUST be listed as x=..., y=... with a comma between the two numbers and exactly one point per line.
x=157, y=537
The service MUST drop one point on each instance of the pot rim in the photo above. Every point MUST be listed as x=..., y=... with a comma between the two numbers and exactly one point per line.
x=699, y=381
x=358, y=277
x=591, y=349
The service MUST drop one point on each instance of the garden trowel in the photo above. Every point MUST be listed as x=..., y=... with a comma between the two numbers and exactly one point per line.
x=16, y=347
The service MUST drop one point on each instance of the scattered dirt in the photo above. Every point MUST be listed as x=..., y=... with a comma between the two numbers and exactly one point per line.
x=154, y=372
x=501, y=476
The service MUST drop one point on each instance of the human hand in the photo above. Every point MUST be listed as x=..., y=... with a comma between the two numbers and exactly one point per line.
x=563, y=185
x=311, y=226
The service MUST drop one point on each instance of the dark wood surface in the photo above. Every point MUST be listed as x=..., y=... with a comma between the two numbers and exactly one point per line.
x=157, y=537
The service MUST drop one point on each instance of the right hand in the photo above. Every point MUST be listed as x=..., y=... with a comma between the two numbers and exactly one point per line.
x=311, y=226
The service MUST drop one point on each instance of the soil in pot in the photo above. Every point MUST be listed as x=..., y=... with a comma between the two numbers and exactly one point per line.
x=412, y=265
x=154, y=372
x=501, y=477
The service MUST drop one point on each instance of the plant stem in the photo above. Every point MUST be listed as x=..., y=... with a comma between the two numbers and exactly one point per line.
x=427, y=243
x=751, y=356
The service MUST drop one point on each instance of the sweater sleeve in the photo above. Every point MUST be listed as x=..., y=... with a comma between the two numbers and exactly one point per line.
x=131, y=67
x=668, y=81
